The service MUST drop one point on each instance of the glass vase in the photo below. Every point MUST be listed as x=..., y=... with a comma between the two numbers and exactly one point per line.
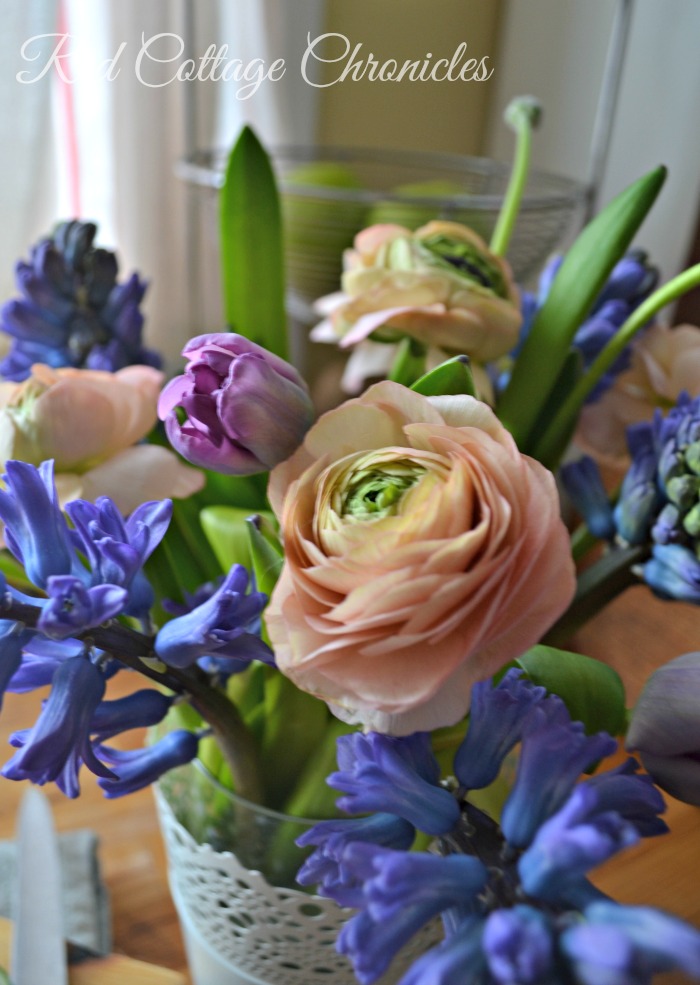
x=231, y=870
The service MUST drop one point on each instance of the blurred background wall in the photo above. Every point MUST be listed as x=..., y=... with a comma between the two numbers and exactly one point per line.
x=444, y=116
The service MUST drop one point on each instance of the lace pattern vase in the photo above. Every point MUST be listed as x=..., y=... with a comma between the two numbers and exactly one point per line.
x=242, y=925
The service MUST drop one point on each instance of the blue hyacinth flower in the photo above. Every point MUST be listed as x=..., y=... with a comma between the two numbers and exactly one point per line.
x=515, y=900
x=35, y=529
x=71, y=310
x=225, y=626
x=519, y=945
x=142, y=709
x=629, y=944
x=117, y=548
x=396, y=776
x=59, y=742
x=632, y=280
x=138, y=768
x=13, y=638
x=72, y=608
x=331, y=838
x=551, y=760
x=584, y=486
x=497, y=718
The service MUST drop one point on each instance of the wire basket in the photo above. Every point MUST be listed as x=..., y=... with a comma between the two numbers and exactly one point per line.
x=329, y=194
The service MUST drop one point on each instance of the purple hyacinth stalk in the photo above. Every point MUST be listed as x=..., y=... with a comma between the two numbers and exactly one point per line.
x=71, y=310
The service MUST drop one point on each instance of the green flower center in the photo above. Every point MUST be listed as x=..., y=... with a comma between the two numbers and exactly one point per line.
x=468, y=261
x=377, y=492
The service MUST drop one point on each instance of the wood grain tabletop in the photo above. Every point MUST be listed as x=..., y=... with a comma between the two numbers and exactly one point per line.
x=635, y=634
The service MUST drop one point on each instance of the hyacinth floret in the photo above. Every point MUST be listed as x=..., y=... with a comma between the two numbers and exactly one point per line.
x=659, y=501
x=658, y=508
x=115, y=548
x=224, y=627
x=57, y=745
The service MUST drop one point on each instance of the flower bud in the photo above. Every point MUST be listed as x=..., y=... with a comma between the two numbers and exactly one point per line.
x=665, y=727
x=247, y=409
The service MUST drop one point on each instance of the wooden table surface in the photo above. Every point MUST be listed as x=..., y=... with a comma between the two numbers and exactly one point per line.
x=635, y=634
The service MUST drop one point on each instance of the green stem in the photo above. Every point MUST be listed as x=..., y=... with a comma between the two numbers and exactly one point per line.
x=409, y=363
x=582, y=541
x=596, y=587
x=675, y=288
x=522, y=115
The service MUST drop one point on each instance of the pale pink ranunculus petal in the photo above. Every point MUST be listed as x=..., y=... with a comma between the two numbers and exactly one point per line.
x=392, y=618
x=139, y=474
x=665, y=362
x=77, y=417
x=365, y=325
x=369, y=240
x=367, y=360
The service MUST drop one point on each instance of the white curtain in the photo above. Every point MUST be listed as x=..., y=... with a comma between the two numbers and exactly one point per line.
x=27, y=188
x=131, y=128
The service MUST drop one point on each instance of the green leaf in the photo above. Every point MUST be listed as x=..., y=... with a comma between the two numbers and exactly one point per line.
x=295, y=723
x=581, y=277
x=569, y=376
x=172, y=570
x=267, y=561
x=15, y=573
x=451, y=377
x=226, y=530
x=312, y=796
x=186, y=517
x=592, y=691
x=246, y=491
x=250, y=228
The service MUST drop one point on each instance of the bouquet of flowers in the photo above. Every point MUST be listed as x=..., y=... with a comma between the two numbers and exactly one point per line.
x=392, y=580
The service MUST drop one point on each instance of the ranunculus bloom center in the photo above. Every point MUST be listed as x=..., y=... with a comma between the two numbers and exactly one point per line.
x=372, y=491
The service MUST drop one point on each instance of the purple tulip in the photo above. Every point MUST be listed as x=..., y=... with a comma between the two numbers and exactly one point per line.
x=247, y=409
x=665, y=728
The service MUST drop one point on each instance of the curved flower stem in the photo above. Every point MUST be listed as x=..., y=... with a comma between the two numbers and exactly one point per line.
x=522, y=115
x=135, y=650
x=567, y=411
x=596, y=587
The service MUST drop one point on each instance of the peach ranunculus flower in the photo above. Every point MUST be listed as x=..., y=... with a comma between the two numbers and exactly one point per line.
x=440, y=285
x=665, y=362
x=88, y=422
x=422, y=553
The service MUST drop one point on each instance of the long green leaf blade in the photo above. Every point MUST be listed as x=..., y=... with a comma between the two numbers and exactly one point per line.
x=580, y=279
x=252, y=265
